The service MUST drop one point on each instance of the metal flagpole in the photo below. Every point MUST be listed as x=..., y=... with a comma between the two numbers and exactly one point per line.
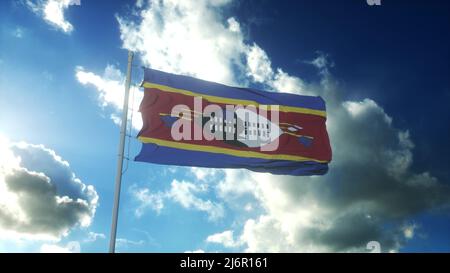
x=123, y=129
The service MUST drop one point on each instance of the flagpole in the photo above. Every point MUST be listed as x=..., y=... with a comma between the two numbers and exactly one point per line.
x=123, y=129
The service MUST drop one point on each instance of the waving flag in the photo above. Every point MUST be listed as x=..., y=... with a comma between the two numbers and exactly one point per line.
x=192, y=122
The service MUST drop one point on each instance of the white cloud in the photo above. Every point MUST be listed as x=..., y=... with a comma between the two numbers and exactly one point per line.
x=92, y=237
x=139, y=3
x=184, y=193
x=111, y=91
x=193, y=41
x=259, y=69
x=258, y=64
x=18, y=32
x=52, y=11
x=125, y=243
x=41, y=198
x=266, y=235
x=235, y=184
x=248, y=207
x=224, y=238
x=147, y=200
x=181, y=192
x=47, y=248
x=71, y=247
x=195, y=251
x=192, y=38
x=371, y=173
x=359, y=109
x=205, y=174
x=409, y=231
x=322, y=63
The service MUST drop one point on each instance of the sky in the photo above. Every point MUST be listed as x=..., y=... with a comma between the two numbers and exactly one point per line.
x=382, y=70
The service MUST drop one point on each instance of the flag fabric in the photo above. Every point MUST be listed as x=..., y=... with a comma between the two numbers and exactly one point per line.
x=192, y=122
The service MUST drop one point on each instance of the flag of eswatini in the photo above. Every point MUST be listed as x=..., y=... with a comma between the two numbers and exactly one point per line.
x=192, y=122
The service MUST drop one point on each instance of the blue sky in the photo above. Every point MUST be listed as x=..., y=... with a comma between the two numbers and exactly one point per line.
x=383, y=71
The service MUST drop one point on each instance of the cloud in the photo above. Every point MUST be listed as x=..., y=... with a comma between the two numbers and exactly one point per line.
x=234, y=184
x=195, y=39
x=371, y=187
x=125, y=243
x=205, y=174
x=181, y=192
x=147, y=200
x=195, y=251
x=52, y=11
x=258, y=64
x=92, y=237
x=322, y=63
x=224, y=238
x=194, y=42
x=110, y=89
x=409, y=231
x=371, y=184
x=41, y=198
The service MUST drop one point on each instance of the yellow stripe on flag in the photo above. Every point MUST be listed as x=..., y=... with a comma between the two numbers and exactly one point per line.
x=227, y=151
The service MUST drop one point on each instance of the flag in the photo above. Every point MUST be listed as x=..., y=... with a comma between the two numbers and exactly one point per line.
x=192, y=122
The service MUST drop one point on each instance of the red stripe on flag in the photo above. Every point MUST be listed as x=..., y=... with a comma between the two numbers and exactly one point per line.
x=156, y=102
